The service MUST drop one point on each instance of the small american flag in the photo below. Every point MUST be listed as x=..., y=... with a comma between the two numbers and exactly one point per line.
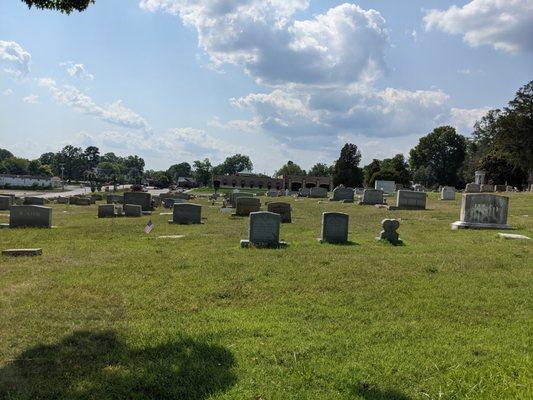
x=149, y=226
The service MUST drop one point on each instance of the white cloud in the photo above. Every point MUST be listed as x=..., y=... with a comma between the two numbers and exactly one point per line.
x=31, y=99
x=7, y=92
x=113, y=113
x=77, y=70
x=504, y=24
x=464, y=119
x=14, y=59
x=343, y=45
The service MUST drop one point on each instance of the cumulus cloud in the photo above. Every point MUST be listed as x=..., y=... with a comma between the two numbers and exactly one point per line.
x=114, y=113
x=31, y=99
x=77, y=70
x=14, y=59
x=7, y=92
x=504, y=24
x=341, y=46
x=465, y=118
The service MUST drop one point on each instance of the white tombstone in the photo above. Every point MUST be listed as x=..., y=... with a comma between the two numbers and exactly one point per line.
x=483, y=211
x=386, y=186
x=447, y=193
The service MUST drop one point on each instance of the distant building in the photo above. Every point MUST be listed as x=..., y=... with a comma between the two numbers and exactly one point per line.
x=26, y=181
x=186, y=182
x=292, y=182
x=247, y=180
x=296, y=182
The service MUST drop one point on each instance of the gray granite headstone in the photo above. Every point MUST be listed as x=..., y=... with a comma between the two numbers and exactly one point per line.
x=114, y=198
x=281, y=208
x=342, y=193
x=107, y=211
x=483, y=211
x=447, y=193
x=390, y=226
x=34, y=201
x=318, y=192
x=263, y=230
x=186, y=213
x=247, y=205
x=372, y=196
x=408, y=199
x=142, y=199
x=304, y=192
x=386, y=186
x=473, y=188
x=334, y=227
x=133, y=210
x=30, y=217
x=5, y=202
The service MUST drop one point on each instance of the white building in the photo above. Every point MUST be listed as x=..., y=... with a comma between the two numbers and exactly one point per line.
x=26, y=181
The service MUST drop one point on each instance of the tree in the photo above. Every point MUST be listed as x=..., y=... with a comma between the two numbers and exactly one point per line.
x=64, y=6
x=15, y=166
x=92, y=157
x=346, y=170
x=5, y=154
x=443, y=150
x=73, y=161
x=134, y=167
x=500, y=169
x=290, y=168
x=202, y=171
x=320, y=169
x=234, y=164
x=159, y=179
x=47, y=158
x=177, y=170
x=369, y=171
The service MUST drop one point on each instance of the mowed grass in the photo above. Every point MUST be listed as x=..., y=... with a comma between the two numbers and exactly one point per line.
x=109, y=312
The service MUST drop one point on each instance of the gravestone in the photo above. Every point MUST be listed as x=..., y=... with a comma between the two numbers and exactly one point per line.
x=114, y=198
x=334, y=227
x=483, y=211
x=107, y=211
x=272, y=193
x=359, y=191
x=479, y=177
x=304, y=192
x=390, y=226
x=318, y=193
x=372, y=196
x=186, y=213
x=22, y=252
x=511, y=189
x=386, y=186
x=34, y=201
x=235, y=195
x=417, y=187
x=281, y=208
x=96, y=197
x=486, y=188
x=263, y=230
x=133, y=210
x=342, y=193
x=408, y=199
x=473, y=188
x=30, y=217
x=500, y=188
x=447, y=193
x=5, y=202
x=62, y=200
x=247, y=205
x=142, y=199
x=80, y=201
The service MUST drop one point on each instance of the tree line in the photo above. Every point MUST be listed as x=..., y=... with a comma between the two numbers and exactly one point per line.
x=501, y=144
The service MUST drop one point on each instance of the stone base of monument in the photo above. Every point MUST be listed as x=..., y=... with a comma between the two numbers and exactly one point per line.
x=22, y=252
x=392, y=208
x=475, y=225
x=245, y=243
x=146, y=213
x=171, y=221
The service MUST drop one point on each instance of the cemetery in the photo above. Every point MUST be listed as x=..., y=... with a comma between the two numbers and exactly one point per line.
x=282, y=299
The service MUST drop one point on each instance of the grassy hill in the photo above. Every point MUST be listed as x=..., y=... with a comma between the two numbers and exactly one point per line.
x=109, y=312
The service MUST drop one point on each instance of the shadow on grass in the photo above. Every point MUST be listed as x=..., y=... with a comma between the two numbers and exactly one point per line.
x=98, y=365
x=340, y=244
x=369, y=392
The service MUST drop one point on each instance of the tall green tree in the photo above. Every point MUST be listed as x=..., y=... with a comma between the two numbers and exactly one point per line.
x=320, y=169
x=233, y=165
x=5, y=154
x=64, y=6
x=369, y=171
x=346, y=170
x=443, y=151
x=92, y=157
x=73, y=161
x=15, y=166
x=290, y=168
x=177, y=170
x=203, y=171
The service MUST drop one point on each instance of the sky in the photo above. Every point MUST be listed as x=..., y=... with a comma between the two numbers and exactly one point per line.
x=278, y=80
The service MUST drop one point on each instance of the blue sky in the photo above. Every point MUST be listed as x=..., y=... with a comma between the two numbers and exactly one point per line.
x=179, y=80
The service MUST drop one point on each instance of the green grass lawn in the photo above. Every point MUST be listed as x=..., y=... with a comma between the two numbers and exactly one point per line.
x=108, y=312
